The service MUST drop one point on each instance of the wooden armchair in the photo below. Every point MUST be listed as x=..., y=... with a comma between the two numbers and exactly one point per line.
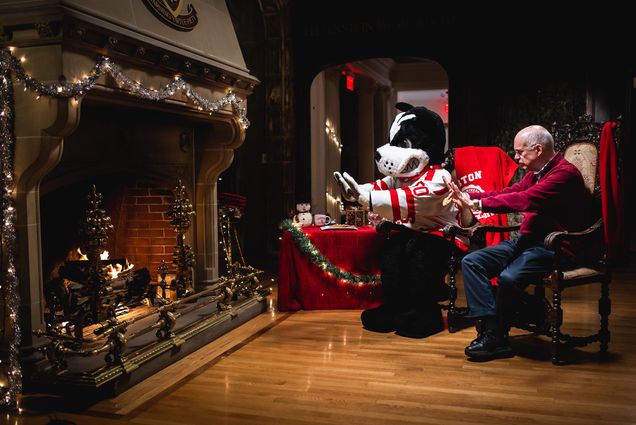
x=580, y=143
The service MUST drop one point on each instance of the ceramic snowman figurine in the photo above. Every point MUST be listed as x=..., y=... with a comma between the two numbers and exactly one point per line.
x=303, y=217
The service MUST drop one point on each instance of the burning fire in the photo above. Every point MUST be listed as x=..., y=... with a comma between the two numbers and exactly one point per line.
x=112, y=270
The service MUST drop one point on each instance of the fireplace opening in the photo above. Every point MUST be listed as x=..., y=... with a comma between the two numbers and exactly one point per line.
x=141, y=239
x=135, y=158
x=137, y=206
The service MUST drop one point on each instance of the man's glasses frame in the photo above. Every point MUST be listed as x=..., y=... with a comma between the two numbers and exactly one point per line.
x=521, y=151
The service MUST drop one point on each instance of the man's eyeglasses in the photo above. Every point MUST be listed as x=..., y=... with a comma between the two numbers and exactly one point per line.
x=521, y=151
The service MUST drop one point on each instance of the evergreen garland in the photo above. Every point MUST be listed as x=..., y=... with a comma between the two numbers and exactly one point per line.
x=309, y=250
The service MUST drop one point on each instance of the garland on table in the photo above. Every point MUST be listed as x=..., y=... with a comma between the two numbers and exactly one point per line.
x=311, y=252
x=10, y=68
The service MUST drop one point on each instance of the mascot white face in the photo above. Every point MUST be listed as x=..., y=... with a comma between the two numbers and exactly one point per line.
x=417, y=137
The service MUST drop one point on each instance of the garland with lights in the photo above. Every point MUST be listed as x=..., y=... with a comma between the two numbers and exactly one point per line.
x=311, y=252
x=66, y=90
x=10, y=294
x=10, y=67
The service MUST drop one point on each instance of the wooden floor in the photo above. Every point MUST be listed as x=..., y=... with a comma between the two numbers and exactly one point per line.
x=321, y=367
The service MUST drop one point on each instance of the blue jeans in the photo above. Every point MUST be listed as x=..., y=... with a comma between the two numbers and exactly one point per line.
x=516, y=264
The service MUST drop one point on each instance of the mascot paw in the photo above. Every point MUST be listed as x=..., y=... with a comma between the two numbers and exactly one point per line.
x=361, y=196
x=345, y=190
x=380, y=319
x=420, y=322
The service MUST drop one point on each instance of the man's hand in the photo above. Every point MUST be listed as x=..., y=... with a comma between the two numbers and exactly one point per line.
x=462, y=201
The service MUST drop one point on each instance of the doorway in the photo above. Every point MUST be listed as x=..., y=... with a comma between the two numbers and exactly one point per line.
x=352, y=107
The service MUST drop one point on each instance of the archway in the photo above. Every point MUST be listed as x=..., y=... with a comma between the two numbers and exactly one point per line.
x=351, y=109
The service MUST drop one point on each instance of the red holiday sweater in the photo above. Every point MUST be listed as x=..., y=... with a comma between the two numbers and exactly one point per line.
x=557, y=201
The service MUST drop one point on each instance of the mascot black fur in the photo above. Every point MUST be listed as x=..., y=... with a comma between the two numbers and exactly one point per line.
x=412, y=201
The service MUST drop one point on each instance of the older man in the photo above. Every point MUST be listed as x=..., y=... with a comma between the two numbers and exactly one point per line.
x=551, y=197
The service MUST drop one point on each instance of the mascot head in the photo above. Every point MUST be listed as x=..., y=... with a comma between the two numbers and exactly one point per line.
x=417, y=138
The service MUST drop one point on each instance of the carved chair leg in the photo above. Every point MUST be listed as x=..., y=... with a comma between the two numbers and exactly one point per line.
x=604, y=309
x=452, y=293
x=452, y=280
x=556, y=319
x=539, y=294
x=456, y=316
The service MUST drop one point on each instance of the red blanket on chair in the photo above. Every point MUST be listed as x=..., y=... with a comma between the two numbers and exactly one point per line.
x=612, y=194
x=483, y=169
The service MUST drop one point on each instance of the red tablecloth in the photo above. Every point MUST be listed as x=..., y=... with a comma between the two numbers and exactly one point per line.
x=303, y=285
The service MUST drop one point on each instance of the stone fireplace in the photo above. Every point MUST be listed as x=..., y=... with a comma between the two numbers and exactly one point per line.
x=133, y=150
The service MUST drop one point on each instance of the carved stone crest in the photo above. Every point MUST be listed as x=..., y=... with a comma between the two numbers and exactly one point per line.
x=171, y=12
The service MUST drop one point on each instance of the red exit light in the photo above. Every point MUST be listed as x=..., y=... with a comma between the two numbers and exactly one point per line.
x=350, y=82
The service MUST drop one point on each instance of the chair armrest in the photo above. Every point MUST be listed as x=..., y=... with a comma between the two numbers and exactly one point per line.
x=453, y=230
x=388, y=226
x=554, y=240
x=476, y=230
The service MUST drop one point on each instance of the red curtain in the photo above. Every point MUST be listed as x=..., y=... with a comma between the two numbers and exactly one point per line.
x=612, y=194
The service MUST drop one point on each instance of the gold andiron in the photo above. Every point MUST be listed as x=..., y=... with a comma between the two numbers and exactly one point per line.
x=230, y=243
x=183, y=255
x=231, y=207
x=162, y=268
x=94, y=229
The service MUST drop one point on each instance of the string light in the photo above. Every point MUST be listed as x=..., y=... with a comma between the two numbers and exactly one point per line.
x=11, y=67
x=104, y=64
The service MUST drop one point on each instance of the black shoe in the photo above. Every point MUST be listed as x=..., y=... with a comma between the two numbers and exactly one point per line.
x=487, y=346
x=420, y=323
x=475, y=341
x=480, y=327
x=380, y=319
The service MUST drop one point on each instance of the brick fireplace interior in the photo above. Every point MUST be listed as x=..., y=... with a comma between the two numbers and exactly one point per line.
x=136, y=205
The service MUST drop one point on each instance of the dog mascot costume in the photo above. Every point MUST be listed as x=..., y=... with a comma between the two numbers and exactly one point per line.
x=412, y=201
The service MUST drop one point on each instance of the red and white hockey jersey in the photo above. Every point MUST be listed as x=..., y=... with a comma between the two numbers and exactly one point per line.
x=415, y=202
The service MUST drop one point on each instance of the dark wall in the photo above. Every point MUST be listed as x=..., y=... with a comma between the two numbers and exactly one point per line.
x=504, y=72
x=248, y=174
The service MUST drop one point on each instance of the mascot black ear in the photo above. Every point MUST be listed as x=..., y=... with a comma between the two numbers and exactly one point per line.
x=403, y=106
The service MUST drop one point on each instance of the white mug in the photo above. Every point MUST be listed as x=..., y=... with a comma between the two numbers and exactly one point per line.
x=322, y=220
